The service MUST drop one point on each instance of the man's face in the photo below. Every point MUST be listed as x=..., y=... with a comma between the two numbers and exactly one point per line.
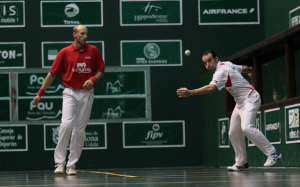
x=209, y=62
x=81, y=35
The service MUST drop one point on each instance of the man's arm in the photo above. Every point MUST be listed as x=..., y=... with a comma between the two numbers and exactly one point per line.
x=48, y=81
x=90, y=83
x=184, y=92
x=246, y=69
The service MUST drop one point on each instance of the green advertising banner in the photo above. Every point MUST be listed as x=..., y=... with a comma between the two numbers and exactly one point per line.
x=72, y=13
x=122, y=83
x=257, y=126
x=223, y=129
x=151, y=53
x=292, y=128
x=119, y=108
x=294, y=17
x=12, y=55
x=12, y=14
x=30, y=83
x=96, y=136
x=50, y=50
x=228, y=12
x=150, y=12
x=48, y=109
x=13, y=138
x=272, y=125
x=150, y=134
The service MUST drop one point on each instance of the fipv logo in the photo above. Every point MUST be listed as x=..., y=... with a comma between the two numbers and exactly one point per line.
x=71, y=10
x=154, y=134
x=151, y=50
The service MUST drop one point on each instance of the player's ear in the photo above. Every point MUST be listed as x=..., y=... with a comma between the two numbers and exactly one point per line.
x=217, y=59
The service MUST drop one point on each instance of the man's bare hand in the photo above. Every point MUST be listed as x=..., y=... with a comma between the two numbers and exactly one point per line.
x=36, y=100
x=183, y=92
x=88, y=84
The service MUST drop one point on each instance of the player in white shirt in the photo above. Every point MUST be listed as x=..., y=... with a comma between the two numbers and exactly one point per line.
x=228, y=75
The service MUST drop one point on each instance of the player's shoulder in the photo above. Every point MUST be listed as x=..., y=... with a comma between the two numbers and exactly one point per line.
x=92, y=47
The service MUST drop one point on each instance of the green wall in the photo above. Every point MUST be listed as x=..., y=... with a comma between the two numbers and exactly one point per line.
x=276, y=15
x=200, y=113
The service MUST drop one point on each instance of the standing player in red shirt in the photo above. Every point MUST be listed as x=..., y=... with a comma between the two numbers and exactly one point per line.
x=228, y=75
x=81, y=66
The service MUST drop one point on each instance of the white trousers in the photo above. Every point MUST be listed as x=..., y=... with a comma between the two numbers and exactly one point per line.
x=242, y=123
x=76, y=110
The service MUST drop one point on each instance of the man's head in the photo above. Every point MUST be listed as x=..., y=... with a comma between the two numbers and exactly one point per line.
x=210, y=60
x=80, y=34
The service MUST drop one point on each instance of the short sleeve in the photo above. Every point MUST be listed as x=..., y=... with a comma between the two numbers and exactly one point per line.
x=220, y=77
x=100, y=67
x=238, y=67
x=58, y=64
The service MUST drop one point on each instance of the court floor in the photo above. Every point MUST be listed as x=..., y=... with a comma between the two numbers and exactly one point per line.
x=166, y=177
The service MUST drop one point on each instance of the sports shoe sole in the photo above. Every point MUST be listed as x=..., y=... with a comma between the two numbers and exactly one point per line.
x=246, y=169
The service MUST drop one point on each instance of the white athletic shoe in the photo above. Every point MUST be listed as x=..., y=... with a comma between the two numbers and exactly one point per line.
x=60, y=168
x=238, y=168
x=272, y=159
x=71, y=171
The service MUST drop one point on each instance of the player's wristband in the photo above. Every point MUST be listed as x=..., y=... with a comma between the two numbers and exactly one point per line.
x=41, y=92
x=94, y=79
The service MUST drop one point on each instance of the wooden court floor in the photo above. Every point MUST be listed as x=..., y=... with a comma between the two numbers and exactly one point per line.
x=150, y=177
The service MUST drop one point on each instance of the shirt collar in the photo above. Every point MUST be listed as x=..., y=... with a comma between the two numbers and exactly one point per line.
x=219, y=63
x=85, y=48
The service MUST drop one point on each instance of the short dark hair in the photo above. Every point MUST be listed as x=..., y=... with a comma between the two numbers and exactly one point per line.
x=206, y=52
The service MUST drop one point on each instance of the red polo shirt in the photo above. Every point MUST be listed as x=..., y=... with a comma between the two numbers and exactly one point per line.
x=77, y=66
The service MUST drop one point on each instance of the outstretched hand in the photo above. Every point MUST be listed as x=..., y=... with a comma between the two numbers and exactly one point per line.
x=183, y=92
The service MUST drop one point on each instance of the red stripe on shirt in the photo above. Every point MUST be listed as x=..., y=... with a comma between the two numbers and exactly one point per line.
x=228, y=83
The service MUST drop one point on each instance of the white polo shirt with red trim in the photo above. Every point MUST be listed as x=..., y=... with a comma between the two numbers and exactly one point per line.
x=229, y=75
x=77, y=66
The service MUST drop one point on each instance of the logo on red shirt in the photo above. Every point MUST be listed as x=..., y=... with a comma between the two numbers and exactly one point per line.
x=81, y=68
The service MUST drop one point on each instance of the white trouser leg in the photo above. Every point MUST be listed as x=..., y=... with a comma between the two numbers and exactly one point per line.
x=85, y=102
x=237, y=138
x=65, y=129
x=248, y=114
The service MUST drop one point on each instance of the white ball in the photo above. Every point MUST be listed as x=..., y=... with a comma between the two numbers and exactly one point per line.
x=187, y=52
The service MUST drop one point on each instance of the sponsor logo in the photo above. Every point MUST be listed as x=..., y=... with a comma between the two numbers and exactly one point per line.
x=34, y=79
x=9, y=54
x=229, y=11
x=87, y=57
x=52, y=54
x=9, y=14
x=55, y=134
x=295, y=20
x=115, y=113
x=71, y=10
x=117, y=85
x=294, y=118
x=44, y=111
x=153, y=134
x=151, y=50
x=91, y=139
x=271, y=127
x=223, y=131
x=294, y=134
x=81, y=68
x=148, y=9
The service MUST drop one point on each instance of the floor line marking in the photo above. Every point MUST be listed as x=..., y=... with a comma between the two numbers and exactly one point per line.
x=107, y=173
